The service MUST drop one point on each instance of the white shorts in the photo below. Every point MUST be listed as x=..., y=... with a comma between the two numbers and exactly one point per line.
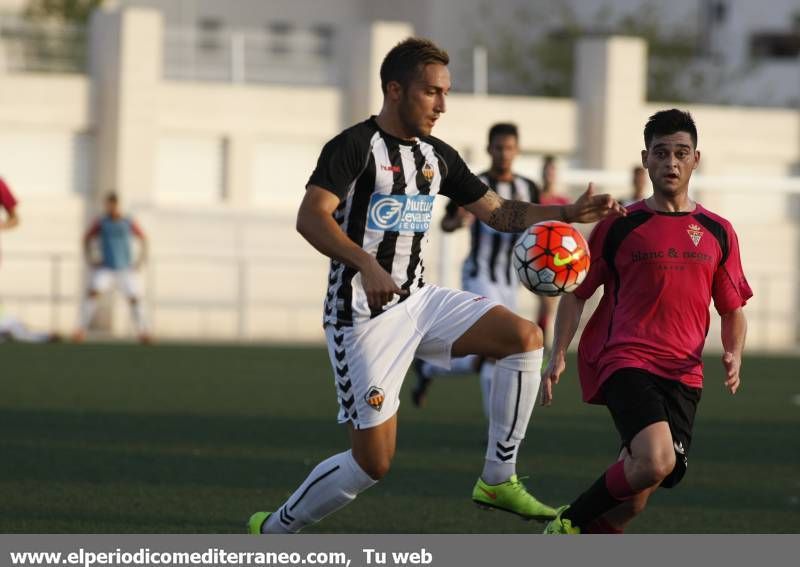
x=126, y=281
x=502, y=293
x=370, y=360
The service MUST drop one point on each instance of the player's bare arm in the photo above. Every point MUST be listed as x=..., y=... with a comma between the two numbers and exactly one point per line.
x=315, y=223
x=12, y=220
x=569, y=313
x=734, y=331
x=87, y=246
x=143, y=251
x=515, y=216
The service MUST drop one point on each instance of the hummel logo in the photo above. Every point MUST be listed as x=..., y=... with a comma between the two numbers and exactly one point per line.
x=558, y=261
x=489, y=493
x=678, y=445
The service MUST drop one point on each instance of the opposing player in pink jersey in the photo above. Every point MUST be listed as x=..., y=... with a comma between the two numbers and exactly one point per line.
x=641, y=352
x=8, y=205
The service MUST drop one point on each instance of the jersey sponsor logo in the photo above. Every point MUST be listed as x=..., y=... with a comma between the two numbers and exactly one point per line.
x=569, y=258
x=374, y=398
x=427, y=172
x=401, y=213
x=695, y=233
x=392, y=168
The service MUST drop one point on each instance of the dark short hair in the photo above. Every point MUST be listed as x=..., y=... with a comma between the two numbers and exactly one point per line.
x=503, y=129
x=666, y=122
x=111, y=197
x=548, y=159
x=408, y=58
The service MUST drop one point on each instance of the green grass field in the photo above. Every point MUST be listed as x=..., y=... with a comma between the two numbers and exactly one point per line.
x=173, y=438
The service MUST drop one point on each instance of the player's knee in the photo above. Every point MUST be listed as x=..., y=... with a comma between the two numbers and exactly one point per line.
x=656, y=467
x=529, y=336
x=376, y=467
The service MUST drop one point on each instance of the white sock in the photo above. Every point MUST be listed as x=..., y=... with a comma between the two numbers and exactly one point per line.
x=461, y=365
x=332, y=484
x=139, y=320
x=487, y=374
x=514, y=389
x=88, y=310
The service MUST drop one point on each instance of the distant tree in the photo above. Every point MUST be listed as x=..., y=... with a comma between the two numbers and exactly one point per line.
x=61, y=11
x=535, y=52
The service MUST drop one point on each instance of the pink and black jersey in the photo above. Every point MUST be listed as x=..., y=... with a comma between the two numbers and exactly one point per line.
x=7, y=200
x=660, y=271
x=386, y=186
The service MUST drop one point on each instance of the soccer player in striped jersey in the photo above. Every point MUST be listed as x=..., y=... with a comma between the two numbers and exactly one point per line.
x=487, y=269
x=116, y=267
x=368, y=207
x=641, y=352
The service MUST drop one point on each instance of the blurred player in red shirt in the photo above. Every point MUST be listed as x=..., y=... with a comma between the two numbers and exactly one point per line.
x=8, y=204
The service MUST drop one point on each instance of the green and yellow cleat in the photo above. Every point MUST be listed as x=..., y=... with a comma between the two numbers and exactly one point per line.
x=511, y=496
x=256, y=521
x=561, y=526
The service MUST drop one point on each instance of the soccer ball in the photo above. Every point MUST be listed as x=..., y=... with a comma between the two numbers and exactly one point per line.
x=551, y=258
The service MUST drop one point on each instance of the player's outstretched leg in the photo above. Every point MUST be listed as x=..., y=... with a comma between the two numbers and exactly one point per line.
x=335, y=482
x=516, y=344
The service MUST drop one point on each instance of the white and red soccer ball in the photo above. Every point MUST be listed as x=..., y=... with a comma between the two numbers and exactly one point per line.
x=551, y=258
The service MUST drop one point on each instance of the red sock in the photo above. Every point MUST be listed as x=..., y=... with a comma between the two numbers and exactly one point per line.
x=602, y=526
x=617, y=484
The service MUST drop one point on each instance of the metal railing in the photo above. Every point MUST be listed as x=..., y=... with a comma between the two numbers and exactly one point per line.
x=769, y=320
x=250, y=56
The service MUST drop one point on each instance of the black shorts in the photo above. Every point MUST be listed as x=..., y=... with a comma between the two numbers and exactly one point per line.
x=636, y=398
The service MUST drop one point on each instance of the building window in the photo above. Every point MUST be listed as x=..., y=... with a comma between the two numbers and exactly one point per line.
x=323, y=39
x=279, y=38
x=209, y=34
x=775, y=45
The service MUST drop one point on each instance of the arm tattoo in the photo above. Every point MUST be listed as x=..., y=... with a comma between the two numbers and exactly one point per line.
x=508, y=215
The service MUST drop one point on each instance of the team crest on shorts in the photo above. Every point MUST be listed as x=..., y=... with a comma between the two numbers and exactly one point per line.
x=695, y=233
x=427, y=172
x=374, y=398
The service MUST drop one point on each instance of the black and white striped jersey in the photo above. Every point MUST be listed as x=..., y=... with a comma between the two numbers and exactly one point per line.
x=490, y=251
x=386, y=186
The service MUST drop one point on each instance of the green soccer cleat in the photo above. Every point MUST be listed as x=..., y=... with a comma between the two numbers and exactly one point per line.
x=561, y=526
x=256, y=521
x=511, y=496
